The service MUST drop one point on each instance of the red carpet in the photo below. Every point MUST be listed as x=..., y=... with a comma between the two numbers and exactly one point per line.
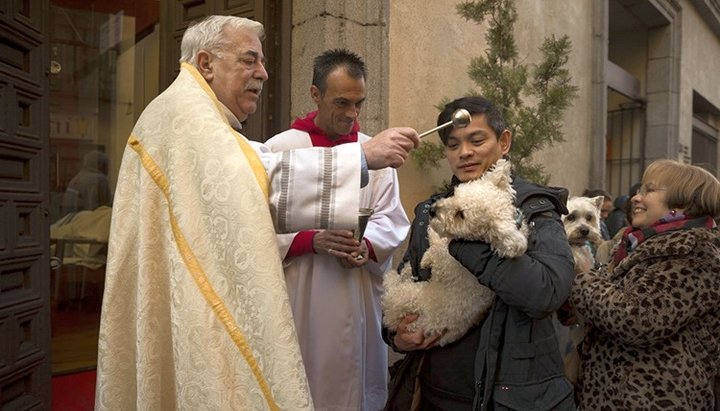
x=74, y=392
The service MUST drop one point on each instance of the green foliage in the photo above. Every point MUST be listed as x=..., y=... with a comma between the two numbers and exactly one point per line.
x=504, y=79
x=428, y=155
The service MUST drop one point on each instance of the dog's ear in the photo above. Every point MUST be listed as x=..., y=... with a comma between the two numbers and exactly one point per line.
x=598, y=201
x=499, y=174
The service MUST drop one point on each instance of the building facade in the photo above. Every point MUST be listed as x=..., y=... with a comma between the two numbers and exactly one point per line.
x=647, y=73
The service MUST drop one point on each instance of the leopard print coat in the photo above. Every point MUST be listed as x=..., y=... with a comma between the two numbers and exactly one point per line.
x=653, y=325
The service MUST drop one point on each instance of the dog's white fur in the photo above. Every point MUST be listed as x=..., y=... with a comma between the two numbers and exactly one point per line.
x=582, y=226
x=453, y=300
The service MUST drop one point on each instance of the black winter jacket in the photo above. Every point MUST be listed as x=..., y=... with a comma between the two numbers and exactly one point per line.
x=511, y=360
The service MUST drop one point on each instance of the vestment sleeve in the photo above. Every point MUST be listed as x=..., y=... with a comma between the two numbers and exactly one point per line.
x=313, y=188
x=389, y=225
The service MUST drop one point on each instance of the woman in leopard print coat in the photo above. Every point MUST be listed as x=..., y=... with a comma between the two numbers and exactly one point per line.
x=653, y=315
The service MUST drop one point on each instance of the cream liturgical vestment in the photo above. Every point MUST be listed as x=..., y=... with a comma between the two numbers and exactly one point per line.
x=337, y=310
x=195, y=313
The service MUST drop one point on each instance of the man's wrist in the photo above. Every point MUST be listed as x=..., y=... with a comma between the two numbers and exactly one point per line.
x=302, y=244
x=391, y=337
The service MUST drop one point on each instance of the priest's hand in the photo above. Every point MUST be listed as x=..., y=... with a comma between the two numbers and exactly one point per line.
x=413, y=338
x=390, y=147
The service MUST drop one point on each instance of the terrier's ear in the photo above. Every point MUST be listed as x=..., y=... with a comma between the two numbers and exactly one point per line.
x=499, y=174
x=598, y=201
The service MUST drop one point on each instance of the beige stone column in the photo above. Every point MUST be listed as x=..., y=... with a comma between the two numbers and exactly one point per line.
x=598, y=145
x=359, y=26
x=663, y=87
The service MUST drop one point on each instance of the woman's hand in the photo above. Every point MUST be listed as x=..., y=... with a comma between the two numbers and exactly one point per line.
x=407, y=340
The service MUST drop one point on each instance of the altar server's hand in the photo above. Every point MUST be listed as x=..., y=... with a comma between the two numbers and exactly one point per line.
x=335, y=243
x=354, y=259
x=390, y=147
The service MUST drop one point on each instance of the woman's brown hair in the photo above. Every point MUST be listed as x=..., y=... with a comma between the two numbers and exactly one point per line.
x=687, y=187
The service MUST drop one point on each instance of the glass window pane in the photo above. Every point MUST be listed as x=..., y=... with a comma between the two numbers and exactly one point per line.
x=105, y=57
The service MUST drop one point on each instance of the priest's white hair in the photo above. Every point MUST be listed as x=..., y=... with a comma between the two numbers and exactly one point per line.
x=209, y=34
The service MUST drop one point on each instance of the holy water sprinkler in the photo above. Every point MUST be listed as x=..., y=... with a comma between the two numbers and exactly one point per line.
x=460, y=118
x=363, y=218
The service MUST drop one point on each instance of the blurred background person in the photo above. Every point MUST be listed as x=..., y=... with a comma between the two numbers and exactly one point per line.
x=616, y=219
x=90, y=188
x=653, y=314
x=621, y=215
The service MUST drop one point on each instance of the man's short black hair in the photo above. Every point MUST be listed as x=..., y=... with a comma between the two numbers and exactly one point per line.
x=474, y=105
x=327, y=62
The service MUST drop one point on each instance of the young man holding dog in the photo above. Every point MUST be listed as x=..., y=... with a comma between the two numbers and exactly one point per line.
x=511, y=359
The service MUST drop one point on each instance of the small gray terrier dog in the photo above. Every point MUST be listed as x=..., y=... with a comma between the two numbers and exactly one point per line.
x=582, y=227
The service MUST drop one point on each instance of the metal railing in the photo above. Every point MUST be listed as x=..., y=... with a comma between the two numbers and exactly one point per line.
x=625, y=141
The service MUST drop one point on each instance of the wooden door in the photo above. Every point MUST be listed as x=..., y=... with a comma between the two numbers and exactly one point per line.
x=24, y=252
x=272, y=115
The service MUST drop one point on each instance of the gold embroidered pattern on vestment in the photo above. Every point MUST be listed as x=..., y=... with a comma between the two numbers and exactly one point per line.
x=253, y=159
x=193, y=265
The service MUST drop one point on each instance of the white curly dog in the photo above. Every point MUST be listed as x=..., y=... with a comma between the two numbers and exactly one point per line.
x=453, y=300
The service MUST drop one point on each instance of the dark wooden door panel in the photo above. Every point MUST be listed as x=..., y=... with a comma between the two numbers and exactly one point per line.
x=24, y=255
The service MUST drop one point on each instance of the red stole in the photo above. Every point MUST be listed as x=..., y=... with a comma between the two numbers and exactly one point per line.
x=318, y=136
x=303, y=241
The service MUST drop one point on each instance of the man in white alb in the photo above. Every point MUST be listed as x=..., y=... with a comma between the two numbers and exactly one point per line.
x=335, y=282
